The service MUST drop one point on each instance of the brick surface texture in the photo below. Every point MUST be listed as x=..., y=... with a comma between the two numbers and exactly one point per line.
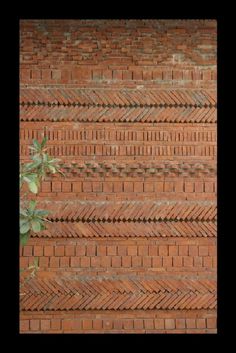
x=129, y=106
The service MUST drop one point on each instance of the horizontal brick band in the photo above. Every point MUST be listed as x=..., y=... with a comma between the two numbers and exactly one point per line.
x=71, y=133
x=130, y=211
x=116, y=98
x=138, y=321
x=119, y=114
x=128, y=229
x=120, y=294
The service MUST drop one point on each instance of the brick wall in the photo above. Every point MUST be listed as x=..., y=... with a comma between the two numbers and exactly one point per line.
x=129, y=106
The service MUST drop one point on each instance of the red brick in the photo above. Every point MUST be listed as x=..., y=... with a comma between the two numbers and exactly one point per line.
x=138, y=186
x=193, y=250
x=163, y=250
x=128, y=324
x=111, y=250
x=118, y=186
x=45, y=325
x=152, y=250
x=36, y=74
x=56, y=186
x=188, y=261
x=136, y=261
x=59, y=250
x=107, y=324
x=25, y=74
x=95, y=261
x=121, y=250
x=107, y=74
x=97, y=186
x=169, y=324
x=159, y=324
x=46, y=74
x=107, y=186
x=167, y=261
x=55, y=324
x=77, y=186
x=101, y=250
x=211, y=322
x=201, y=323
x=87, y=186
x=173, y=250
x=179, y=186
x=157, y=262
x=85, y=262
x=149, y=324
x=191, y=323
x=97, y=324
x=168, y=186
x=91, y=250
x=127, y=75
x=97, y=74
x=183, y=250
x=148, y=187
x=159, y=186
x=198, y=186
x=147, y=261
x=157, y=74
x=80, y=250
x=128, y=186
x=203, y=250
x=117, y=324
x=138, y=324
x=38, y=250
x=116, y=261
x=143, y=250
x=177, y=261
x=46, y=186
x=48, y=250
x=180, y=323
x=189, y=186
x=54, y=262
x=207, y=261
x=117, y=74
x=208, y=187
x=66, y=186
x=34, y=325
x=137, y=74
x=126, y=261
x=65, y=261
x=132, y=250
x=70, y=250
x=27, y=250
x=24, y=325
x=43, y=262
x=105, y=261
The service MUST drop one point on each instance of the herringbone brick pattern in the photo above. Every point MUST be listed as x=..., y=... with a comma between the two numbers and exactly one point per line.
x=93, y=294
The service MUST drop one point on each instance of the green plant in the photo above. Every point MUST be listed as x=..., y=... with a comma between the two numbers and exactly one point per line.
x=31, y=218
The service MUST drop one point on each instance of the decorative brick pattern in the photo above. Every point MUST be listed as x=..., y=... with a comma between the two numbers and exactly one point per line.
x=130, y=108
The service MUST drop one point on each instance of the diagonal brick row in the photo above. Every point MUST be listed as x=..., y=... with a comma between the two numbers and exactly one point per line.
x=128, y=229
x=130, y=210
x=118, y=97
x=120, y=294
x=118, y=114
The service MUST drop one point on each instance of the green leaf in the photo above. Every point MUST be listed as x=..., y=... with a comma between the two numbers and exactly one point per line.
x=24, y=228
x=36, y=226
x=52, y=169
x=24, y=238
x=37, y=144
x=23, y=212
x=41, y=213
x=44, y=141
x=33, y=187
x=32, y=205
x=36, y=261
x=54, y=160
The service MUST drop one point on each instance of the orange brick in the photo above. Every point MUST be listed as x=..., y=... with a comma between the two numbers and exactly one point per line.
x=163, y=250
x=188, y=261
x=97, y=324
x=34, y=325
x=45, y=325
x=70, y=250
x=173, y=250
x=46, y=186
x=136, y=261
x=211, y=322
x=148, y=187
x=201, y=323
x=128, y=186
x=66, y=186
x=111, y=250
x=118, y=186
x=65, y=262
x=85, y=262
x=157, y=262
x=138, y=324
x=183, y=250
x=59, y=250
x=180, y=323
x=189, y=186
x=53, y=262
x=90, y=250
x=203, y=250
x=97, y=186
x=24, y=325
x=132, y=250
x=167, y=261
x=169, y=324
x=149, y=324
x=87, y=186
x=138, y=186
x=177, y=261
x=116, y=261
x=168, y=186
x=208, y=187
x=159, y=324
x=80, y=250
x=126, y=261
x=56, y=186
x=38, y=250
x=77, y=186
x=191, y=323
x=193, y=250
x=48, y=250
